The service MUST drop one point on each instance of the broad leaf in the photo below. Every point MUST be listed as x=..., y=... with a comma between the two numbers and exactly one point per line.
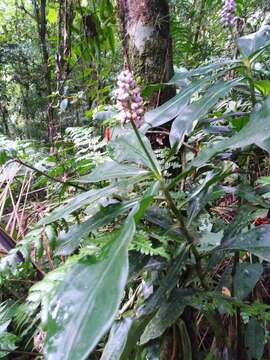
x=128, y=148
x=173, y=107
x=117, y=339
x=78, y=202
x=201, y=70
x=250, y=43
x=254, y=339
x=246, y=277
x=110, y=170
x=86, y=302
x=184, y=123
x=257, y=131
x=69, y=241
x=168, y=313
x=255, y=241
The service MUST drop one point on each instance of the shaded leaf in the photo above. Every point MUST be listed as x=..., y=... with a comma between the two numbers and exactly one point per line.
x=255, y=241
x=111, y=169
x=255, y=132
x=86, y=302
x=184, y=123
x=69, y=241
x=128, y=148
x=246, y=277
x=250, y=43
x=173, y=107
x=78, y=202
x=254, y=339
x=117, y=340
x=168, y=313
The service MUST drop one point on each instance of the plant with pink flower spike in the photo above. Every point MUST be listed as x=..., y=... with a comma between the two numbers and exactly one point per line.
x=129, y=100
x=228, y=17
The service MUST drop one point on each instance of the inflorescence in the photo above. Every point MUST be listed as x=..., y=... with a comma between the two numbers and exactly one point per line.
x=129, y=100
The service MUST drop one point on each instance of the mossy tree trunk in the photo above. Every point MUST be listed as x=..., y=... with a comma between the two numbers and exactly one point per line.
x=147, y=45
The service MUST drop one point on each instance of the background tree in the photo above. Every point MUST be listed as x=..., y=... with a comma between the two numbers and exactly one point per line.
x=147, y=45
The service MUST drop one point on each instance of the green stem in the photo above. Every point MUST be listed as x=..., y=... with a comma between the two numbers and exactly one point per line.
x=188, y=235
x=214, y=317
x=153, y=165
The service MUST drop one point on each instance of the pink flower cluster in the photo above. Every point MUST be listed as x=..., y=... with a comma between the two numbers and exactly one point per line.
x=228, y=16
x=129, y=100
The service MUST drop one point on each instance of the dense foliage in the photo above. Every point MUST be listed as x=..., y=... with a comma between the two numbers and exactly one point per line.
x=128, y=232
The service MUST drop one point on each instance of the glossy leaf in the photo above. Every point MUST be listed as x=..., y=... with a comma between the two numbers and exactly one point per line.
x=255, y=132
x=255, y=241
x=117, y=339
x=184, y=123
x=69, y=241
x=246, y=277
x=201, y=70
x=263, y=86
x=110, y=170
x=78, y=202
x=250, y=43
x=86, y=302
x=173, y=107
x=168, y=313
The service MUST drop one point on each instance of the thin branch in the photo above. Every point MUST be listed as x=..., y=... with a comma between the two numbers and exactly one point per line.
x=21, y=352
x=69, y=183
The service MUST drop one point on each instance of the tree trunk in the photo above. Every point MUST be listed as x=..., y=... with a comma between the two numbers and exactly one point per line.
x=40, y=15
x=145, y=32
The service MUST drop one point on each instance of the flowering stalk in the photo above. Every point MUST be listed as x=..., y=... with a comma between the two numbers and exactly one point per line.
x=129, y=100
x=228, y=13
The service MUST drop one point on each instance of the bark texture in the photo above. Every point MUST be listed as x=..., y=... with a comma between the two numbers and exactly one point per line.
x=145, y=32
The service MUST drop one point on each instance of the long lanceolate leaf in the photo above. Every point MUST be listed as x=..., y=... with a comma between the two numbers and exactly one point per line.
x=110, y=170
x=183, y=124
x=173, y=107
x=78, y=202
x=86, y=302
x=257, y=131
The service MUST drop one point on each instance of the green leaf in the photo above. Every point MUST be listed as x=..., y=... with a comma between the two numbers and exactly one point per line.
x=184, y=123
x=69, y=241
x=117, y=339
x=7, y=342
x=128, y=148
x=3, y=157
x=254, y=339
x=110, y=170
x=86, y=302
x=168, y=313
x=78, y=202
x=255, y=132
x=185, y=340
x=173, y=107
x=52, y=15
x=249, y=44
x=201, y=70
x=255, y=241
x=137, y=327
x=263, y=86
x=166, y=286
x=246, y=277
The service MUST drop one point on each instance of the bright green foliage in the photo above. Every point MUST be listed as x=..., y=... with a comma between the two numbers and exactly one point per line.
x=119, y=250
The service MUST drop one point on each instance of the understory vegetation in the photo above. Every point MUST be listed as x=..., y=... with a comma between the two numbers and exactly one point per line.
x=133, y=230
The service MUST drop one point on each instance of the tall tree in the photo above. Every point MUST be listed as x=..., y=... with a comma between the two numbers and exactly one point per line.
x=40, y=15
x=145, y=33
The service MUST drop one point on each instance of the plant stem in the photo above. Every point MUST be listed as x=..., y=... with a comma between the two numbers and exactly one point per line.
x=21, y=162
x=188, y=235
x=213, y=316
x=153, y=165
